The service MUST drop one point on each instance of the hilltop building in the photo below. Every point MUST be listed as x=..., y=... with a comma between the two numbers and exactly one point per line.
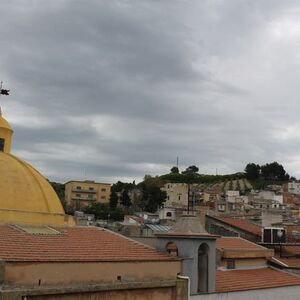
x=79, y=194
x=177, y=194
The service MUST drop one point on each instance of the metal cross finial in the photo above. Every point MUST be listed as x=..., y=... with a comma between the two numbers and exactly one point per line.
x=3, y=92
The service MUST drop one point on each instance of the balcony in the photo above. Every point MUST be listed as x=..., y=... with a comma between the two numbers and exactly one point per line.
x=82, y=199
x=84, y=191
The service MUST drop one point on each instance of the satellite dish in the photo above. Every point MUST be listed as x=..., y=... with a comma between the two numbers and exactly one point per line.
x=296, y=235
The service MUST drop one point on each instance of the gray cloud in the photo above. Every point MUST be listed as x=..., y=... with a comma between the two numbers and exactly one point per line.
x=115, y=89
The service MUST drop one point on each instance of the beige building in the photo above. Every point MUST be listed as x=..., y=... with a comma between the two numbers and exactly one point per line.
x=79, y=194
x=177, y=194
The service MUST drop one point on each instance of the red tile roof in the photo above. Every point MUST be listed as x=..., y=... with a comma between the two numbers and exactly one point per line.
x=242, y=225
x=287, y=262
x=236, y=243
x=75, y=244
x=291, y=250
x=242, y=280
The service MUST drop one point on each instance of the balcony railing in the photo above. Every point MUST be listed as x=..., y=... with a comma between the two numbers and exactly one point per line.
x=83, y=199
x=84, y=191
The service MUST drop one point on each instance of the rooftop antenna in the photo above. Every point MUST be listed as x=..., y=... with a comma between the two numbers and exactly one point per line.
x=177, y=161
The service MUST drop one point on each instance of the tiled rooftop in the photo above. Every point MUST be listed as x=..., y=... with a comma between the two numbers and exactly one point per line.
x=291, y=250
x=242, y=280
x=236, y=243
x=242, y=224
x=74, y=244
x=287, y=262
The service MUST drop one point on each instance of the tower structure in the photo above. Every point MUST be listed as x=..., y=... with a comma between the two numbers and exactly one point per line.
x=188, y=240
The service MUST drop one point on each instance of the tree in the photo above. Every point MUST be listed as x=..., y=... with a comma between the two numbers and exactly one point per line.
x=274, y=171
x=252, y=171
x=191, y=170
x=125, y=198
x=113, y=199
x=153, y=198
x=59, y=188
x=104, y=212
x=151, y=195
x=118, y=189
x=175, y=170
x=100, y=210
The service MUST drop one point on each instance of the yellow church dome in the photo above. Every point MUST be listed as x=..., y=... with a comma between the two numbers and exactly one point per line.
x=26, y=197
x=4, y=123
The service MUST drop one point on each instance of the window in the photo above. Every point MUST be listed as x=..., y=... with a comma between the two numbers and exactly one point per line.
x=78, y=187
x=103, y=190
x=90, y=196
x=178, y=197
x=169, y=214
x=2, y=145
x=103, y=197
x=91, y=188
x=203, y=268
x=230, y=264
x=172, y=249
x=78, y=195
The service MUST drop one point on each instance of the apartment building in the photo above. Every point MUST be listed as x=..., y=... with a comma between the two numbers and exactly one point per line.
x=79, y=194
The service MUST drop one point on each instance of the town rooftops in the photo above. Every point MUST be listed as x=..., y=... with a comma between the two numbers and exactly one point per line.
x=235, y=247
x=72, y=244
x=241, y=224
x=236, y=243
x=242, y=280
x=286, y=262
x=87, y=181
x=187, y=226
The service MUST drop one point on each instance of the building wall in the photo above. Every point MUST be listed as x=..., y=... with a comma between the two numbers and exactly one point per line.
x=177, y=194
x=244, y=263
x=79, y=194
x=168, y=293
x=286, y=293
x=188, y=250
x=24, y=274
x=167, y=213
x=294, y=187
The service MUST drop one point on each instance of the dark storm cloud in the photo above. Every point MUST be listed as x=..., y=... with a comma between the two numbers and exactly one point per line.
x=115, y=89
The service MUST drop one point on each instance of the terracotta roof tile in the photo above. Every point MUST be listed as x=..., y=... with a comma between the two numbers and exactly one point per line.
x=291, y=250
x=236, y=243
x=288, y=262
x=242, y=224
x=73, y=244
x=241, y=280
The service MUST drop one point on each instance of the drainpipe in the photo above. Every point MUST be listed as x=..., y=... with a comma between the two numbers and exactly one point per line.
x=189, y=284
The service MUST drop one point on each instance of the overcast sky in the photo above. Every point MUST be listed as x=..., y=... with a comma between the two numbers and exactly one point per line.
x=112, y=90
